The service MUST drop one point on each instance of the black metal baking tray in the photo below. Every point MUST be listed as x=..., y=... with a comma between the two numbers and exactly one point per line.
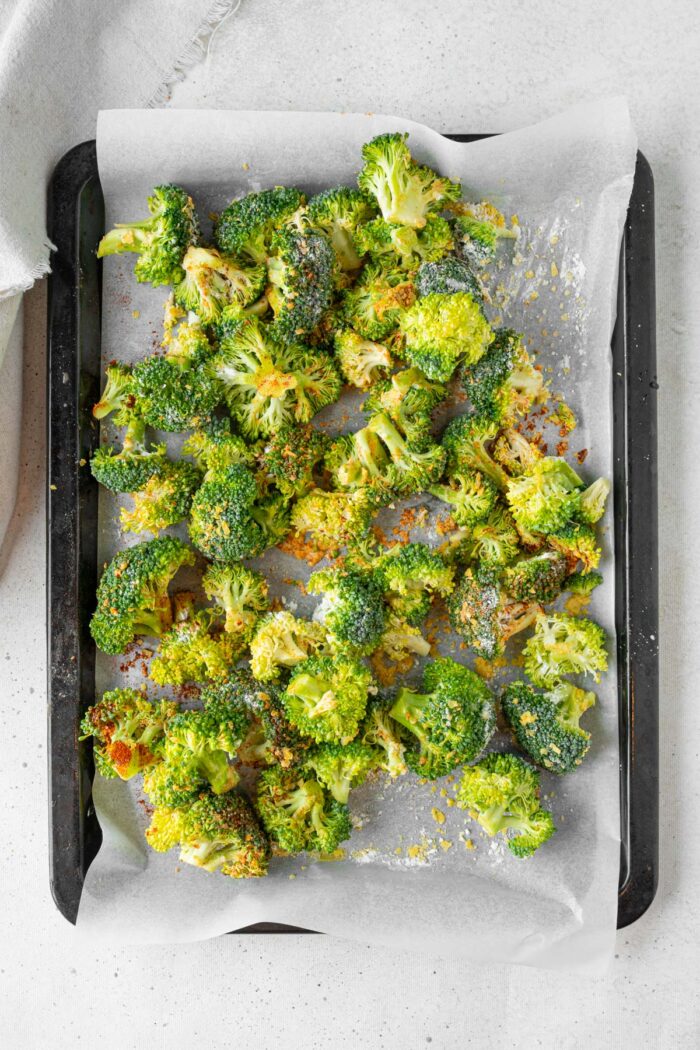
x=75, y=224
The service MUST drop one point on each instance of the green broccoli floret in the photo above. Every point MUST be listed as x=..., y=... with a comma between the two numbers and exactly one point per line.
x=242, y=595
x=577, y=543
x=378, y=729
x=478, y=229
x=161, y=240
x=326, y=697
x=291, y=457
x=515, y=452
x=269, y=386
x=229, y=520
x=163, y=833
x=193, y=650
x=546, y=497
x=503, y=384
x=198, y=741
x=467, y=441
x=298, y=814
x=132, y=595
x=281, y=640
x=539, y=578
x=493, y=541
x=546, y=726
x=411, y=575
x=213, y=281
x=582, y=582
x=118, y=395
x=221, y=833
x=484, y=616
x=406, y=192
x=175, y=391
x=271, y=738
x=128, y=732
x=244, y=229
x=361, y=361
x=171, y=785
x=352, y=611
x=408, y=398
x=564, y=645
x=129, y=469
x=442, y=331
x=214, y=447
x=340, y=767
x=447, y=277
x=338, y=213
x=402, y=639
x=335, y=520
x=470, y=495
x=301, y=276
x=451, y=722
x=501, y=793
x=164, y=500
x=592, y=506
x=392, y=245
x=376, y=301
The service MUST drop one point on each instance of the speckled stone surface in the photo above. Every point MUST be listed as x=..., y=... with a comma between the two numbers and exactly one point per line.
x=455, y=66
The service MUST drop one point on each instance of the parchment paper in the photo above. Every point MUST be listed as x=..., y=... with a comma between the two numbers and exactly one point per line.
x=409, y=877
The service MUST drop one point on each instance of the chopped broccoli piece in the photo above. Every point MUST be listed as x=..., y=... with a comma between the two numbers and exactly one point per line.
x=564, y=645
x=118, y=395
x=478, y=230
x=546, y=726
x=538, y=578
x=402, y=639
x=298, y=814
x=221, y=833
x=503, y=384
x=483, y=615
x=214, y=447
x=406, y=192
x=447, y=277
x=466, y=440
x=129, y=469
x=514, y=452
x=340, y=767
x=281, y=640
x=412, y=574
x=245, y=229
x=271, y=738
x=393, y=245
x=593, y=499
x=291, y=458
x=379, y=730
x=578, y=544
x=352, y=611
x=193, y=650
x=128, y=732
x=200, y=744
x=175, y=391
x=546, y=497
x=163, y=833
x=230, y=521
x=361, y=361
x=373, y=306
x=443, y=331
x=301, y=275
x=408, y=398
x=242, y=595
x=164, y=500
x=493, y=541
x=470, y=495
x=213, y=281
x=326, y=698
x=582, y=582
x=338, y=213
x=335, y=519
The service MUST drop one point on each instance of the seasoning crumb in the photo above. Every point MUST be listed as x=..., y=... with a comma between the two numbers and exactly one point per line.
x=438, y=815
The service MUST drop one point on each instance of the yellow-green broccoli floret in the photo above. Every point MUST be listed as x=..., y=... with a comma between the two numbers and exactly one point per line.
x=538, y=578
x=493, y=541
x=406, y=192
x=129, y=469
x=353, y=612
x=470, y=496
x=478, y=229
x=118, y=395
x=503, y=384
x=176, y=391
x=164, y=500
x=360, y=360
x=245, y=228
x=299, y=814
x=467, y=441
x=128, y=732
x=326, y=697
x=411, y=575
x=213, y=281
x=402, y=639
x=194, y=650
x=229, y=520
x=378, y=729
x=564, y=645
x=546, y=725
x=291, y=457
x=271, y=738
x=443, y=331
x=242, y=595
x=545, y=497
x=373, y=306
x=393, y=245
x=338, y=213
x=448, y=276
x=334, y=520
x=281, y=641
x=340, y=767
x=484, y=615
x=408, y=398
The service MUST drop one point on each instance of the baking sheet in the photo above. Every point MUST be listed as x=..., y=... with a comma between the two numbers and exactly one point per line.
x=408, y=878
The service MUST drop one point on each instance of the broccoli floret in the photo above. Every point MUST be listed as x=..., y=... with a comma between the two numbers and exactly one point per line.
x=402, y=639
x=514, y=452
x=484, y=616
x=411, y=575
x=493, y=541
x=375, y=303
x=214, y=447
x=408, y=398
x=406, y=192
x=442, y=331
x=501, y=793
x=326, y=697
x=245, y=228
x=503, y=384
x=340, y=767
x=176, y=391
x=378, y=729
x=582, y=582
x=393, y=245
x=164, y=500
x=192, y=650
x=128, y=732
x=229, y=521
x=546, y=726
x=291, y=457
x=578, y=544
x=352, y=611
x=129, y=469
x=161, y=240
x=335, y=519
x=269, y=386
x=271, y=738
x=564, y=645
x=282, y=640
x=202, y=742
x=132, y=596
x=478, y=230
x=467, y=440
x=213, y=281
x=118, y=394
x=361, y=361
x=221, y=833
x=546, y=497
x=301, y=275
x=172, y=786
x=338, y=213
x=241, y=593
x=539, y=578
x=592, y=506
x=470, y=495
x=163, y=833
x=447, y=277
x=451, y=722
x=298, y=814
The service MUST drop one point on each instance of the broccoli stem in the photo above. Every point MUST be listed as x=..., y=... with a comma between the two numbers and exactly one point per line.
x=408, y=711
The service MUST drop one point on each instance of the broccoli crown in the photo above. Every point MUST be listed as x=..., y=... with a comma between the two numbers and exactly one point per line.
x=406, y=192
x=128, y=731
x=483, y=616
x=163, y=833
x=539, y=578
x=546, y=497
x=361, y=361
x=335, y=519
x=564, y=645
x=478, y=230
x=268, y=385
x=441, y=331
x=402, y=639
x=129, y=469
x=470, y=495
x=118, y=394
x=245, y=228
x=326, y=698
x=378, y=729
x=291, y=456
x=466, y=441
x=176, y=391
x=592, y=506
x=164, y=500
x=171, y=785
x=515, y=452
x=352, y=611
x=191, y=651
x=546, y=726
x=301, y=276
x=373, y=306
x=240, y=592
x=451, y=722
x=577, y=543
x=493, y=541
x=338, y=212
x=204, y=741
x=411, y=575
x=221, y=833
x=281, y=640
x=582, y=582
x=132, y=596
x=214, y=447
x=213, y=281
x=340, y=767
x=501, y=793
x=503, y=384
x=404, y=246
x=447, y=277
x=222, y=525
x=298, y=814
x=271, y=738
x=161, y=240
x=408, y=398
